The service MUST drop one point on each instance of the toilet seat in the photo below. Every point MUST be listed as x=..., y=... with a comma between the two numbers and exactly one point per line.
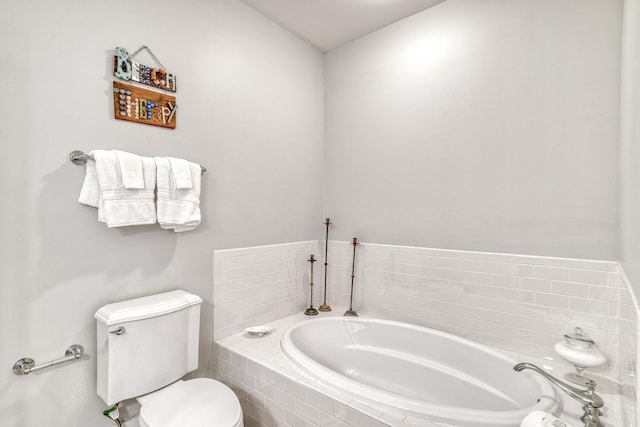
x=194, y=403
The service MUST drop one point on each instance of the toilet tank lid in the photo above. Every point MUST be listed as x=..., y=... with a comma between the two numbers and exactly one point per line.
x=146, y=307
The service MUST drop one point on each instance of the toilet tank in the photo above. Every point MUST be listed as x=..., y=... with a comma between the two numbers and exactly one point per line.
x=146, y=343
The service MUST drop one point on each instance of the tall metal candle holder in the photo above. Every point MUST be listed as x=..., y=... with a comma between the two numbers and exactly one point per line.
x=311, y=311
x=351, y=311
x=325, y=306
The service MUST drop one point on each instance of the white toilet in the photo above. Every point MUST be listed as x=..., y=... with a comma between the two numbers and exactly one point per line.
x=145, y=345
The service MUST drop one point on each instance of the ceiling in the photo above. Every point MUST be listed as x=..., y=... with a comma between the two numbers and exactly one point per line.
x=327, y=24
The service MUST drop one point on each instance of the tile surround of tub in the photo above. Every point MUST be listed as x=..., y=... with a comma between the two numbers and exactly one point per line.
x=254, y=285
x=273, y=392
x=518, y=303
x=522, y=304
x=628, y=348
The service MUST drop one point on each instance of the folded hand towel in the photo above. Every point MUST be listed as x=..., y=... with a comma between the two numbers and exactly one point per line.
x=180, y=174
x=178, y=209
x=90, y=191
x=131, y=170
x=117, y=206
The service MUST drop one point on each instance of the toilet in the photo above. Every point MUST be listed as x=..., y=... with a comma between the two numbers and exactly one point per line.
x=145, y=346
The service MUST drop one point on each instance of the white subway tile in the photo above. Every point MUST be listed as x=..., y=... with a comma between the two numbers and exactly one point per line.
x=518, y=321
x=456, y=263
x=293, y=419
x=484, y=314
x=320, y=401
x=569, y=289
x=239, y=361
x=475, y=277
x=433, y=284
x=534, y=285
x=490, y=291
x=565, y=262
x=443, y=273
x=503, y=280
x=351, y=416
x=409, y=258
x=552, y=273
x=373, y=422
x=520, y=270
x=248, y=407
x=601, y=265
x=532, y=260
x=589, y=306
x=295, y=389
x=614, y=279
x=490, y=267
x=274, y=408
x=504, y=258
x=265, y=389
x=551, y=327
x=518, y=295
x=285, y=399
x=603, y=293
x=327, y=420
x=550, y=300
x=460, y=287
x=307, y=411
x=588, y=276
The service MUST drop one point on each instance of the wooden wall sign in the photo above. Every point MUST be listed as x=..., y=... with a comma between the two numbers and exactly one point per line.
x=125, y=68
x=138, y=105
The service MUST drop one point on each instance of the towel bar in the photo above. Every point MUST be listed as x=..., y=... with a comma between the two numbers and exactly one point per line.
x=80, y=158
x=26, y=365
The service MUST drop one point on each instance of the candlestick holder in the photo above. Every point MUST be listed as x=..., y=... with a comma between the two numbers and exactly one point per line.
x=351, y=312
x=311, y=311
x=325, y=306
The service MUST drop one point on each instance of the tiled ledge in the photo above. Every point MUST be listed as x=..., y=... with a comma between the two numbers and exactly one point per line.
x=274, y=392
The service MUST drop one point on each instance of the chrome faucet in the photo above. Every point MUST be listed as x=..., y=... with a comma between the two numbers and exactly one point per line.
x=591, y=401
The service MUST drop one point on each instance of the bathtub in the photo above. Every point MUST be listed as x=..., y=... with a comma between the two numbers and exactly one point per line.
x=417, y=371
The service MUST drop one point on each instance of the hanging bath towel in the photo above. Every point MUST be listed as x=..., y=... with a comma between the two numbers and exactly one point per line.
x=118, y=206
x=178, y=207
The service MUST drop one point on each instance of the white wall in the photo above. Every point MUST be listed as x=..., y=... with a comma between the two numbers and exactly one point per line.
x=251, y=111
x=488, y=126
x=630, y=146
x=630, y=172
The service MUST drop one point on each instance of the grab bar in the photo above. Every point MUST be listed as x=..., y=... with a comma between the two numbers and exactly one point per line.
x=26, y=365
x=80, y=158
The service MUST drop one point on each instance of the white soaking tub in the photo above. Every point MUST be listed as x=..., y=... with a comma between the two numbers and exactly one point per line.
x=418, y=371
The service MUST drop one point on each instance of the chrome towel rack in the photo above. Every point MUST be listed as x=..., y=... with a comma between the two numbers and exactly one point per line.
x=80, y=158
x=26, y=365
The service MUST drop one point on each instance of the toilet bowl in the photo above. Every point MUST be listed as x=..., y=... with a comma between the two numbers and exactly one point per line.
x=200, y=402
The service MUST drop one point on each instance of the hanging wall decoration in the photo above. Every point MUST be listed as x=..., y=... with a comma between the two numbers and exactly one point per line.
x=125, y=68
x=144, y=106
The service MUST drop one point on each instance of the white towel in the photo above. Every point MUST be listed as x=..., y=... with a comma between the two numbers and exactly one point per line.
x=180, y=174
x=542, y=419
x=118, y=206
x=178, y=209
x=90, y=191
x=131, y=170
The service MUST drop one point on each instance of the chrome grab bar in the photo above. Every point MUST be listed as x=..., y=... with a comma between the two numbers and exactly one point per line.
x=26, y=365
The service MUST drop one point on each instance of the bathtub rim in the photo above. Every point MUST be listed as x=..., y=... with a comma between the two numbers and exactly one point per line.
x=550, y=398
